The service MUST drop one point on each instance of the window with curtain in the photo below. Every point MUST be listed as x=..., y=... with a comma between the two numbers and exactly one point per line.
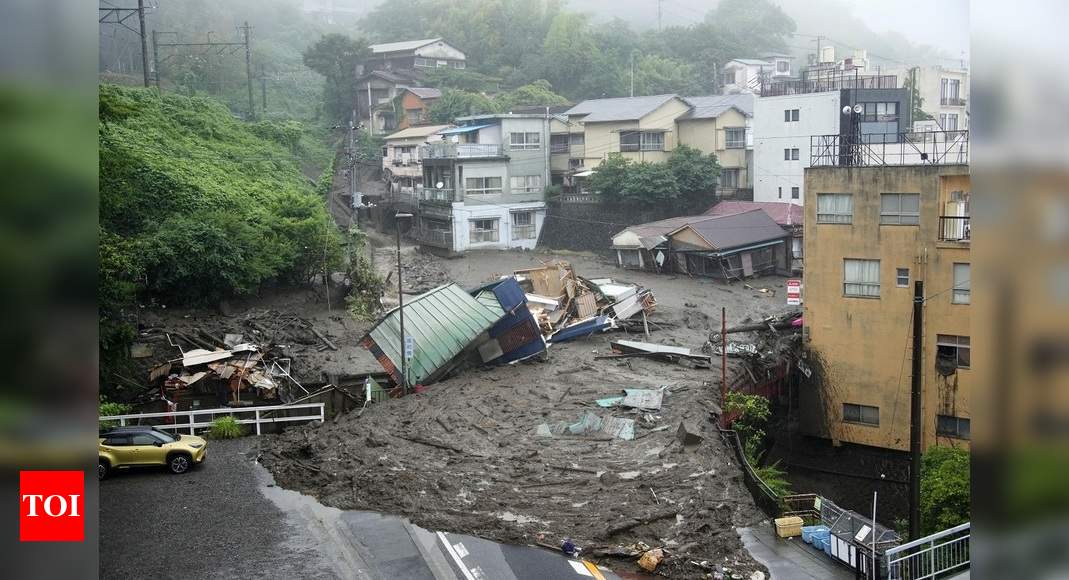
x=835, y=208
x=736, y=137
x=861, y=278
x=864, y=414
x=483, y=230
x=903, y=209
x=482, y=185
x=962, y=293
x=729, y=178
x=520, y=141
x=526, y=183
x=523, y=225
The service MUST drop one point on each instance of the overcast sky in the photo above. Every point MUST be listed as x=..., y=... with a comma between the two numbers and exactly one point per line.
x=940, y=23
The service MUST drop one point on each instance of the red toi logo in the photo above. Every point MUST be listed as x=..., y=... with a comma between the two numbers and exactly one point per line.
x=51, y=506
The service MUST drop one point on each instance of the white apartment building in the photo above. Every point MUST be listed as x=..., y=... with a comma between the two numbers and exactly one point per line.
x=745, y=75
x=944, y=92
x=792, y=112
x=484, y=184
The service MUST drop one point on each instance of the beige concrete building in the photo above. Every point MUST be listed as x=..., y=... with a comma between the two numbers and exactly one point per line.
x=720, y=124
x=870, y=234
x=639, y=128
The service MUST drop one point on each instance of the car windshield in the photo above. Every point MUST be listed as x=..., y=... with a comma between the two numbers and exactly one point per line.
x=164, y=436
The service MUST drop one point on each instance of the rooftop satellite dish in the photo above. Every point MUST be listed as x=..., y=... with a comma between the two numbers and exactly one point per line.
x=439, y=185
x=846, y=110
x=858, y=109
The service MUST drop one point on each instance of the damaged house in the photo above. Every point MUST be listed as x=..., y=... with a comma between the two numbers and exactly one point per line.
x=728, y=247
x=788, y=215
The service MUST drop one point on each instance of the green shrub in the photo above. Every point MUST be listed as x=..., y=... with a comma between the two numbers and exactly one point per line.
x=108, y=408
x=775, y=478
x=225, y=428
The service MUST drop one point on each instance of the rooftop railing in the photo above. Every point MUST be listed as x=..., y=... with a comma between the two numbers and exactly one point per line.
x=461, y=150
x=881, y=149
x=827, y=82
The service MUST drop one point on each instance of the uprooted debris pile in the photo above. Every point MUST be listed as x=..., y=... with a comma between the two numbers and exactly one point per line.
x=533, y=456
x=511, y=319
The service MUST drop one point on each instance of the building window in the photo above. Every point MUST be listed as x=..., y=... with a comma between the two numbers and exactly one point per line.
x=483, y=230
x=578, y=138
x=794, y=154
x=863, y=414
x=796, y=192
x=951, y=426
x=953, y=349
x=558, y=143
x=458, y=64
x=641, y=141
x=729, y=78
x=783, y=66
x=786, y=115
x=794, y=114
x=879, y=112
x=442, y=64
x=861, y=278
x=948, y=121
x=790, y=115
x=902, y=277
x=482, y=185
x=962, y=287
x=526, y=183
x=781, y=193
x=835, y=208
x=523, y=225
x=736, y=137
x=949, y=91
x=900, y=209
x=424, y=62
x=729, y=178
x=790, y=154
x=518, y=141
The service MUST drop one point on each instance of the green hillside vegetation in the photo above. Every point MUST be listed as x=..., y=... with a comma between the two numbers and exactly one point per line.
x=196, y=206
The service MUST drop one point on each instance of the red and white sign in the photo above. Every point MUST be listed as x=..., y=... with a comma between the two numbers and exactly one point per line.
x=794, y=292
x=51, y=506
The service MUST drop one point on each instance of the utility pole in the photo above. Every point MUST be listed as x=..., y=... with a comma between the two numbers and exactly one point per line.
x=659, y=15
x=723, y=362
x=632, y=73
x=263, y=88
x=370, y=121
x=248, y=69
x=156, y=58
x=915, y=430
x=119, y=16
x=401, y=303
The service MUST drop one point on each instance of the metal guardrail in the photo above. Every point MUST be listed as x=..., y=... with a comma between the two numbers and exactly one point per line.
x=447, y=195
x=954, y=228
x=440, y=238
x=827, y=82
x=258, y=419
x=952, y=101
x=931, y=556
x=882, y=149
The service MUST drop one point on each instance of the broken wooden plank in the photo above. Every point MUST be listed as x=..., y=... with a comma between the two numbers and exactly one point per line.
x=322, y=337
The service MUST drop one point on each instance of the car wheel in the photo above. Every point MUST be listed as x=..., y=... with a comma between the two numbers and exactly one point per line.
x=102, y=469
x=179, y=463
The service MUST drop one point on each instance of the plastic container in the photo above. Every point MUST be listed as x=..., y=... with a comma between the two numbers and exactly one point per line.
x=789, y=527
x=813, y=533
x=825, y=544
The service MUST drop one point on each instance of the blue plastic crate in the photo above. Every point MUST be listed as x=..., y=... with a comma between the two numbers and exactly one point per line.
x=825, y=544
x=811, y=533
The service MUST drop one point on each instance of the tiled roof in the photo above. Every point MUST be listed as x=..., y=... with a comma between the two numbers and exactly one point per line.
x=783, y=213
x=618, y=109
x=401, y=46
x=736, y=230
x=712, y=106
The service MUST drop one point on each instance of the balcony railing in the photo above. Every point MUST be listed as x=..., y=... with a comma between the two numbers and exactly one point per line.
x=952, y=101
x=559, y=148
x=880, y=149
x=954, y=228
x=434, y=194
x=826, y=82
x=936, y=556
x=461, y=150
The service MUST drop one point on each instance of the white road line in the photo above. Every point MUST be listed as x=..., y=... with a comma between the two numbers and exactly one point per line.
x=460, y=564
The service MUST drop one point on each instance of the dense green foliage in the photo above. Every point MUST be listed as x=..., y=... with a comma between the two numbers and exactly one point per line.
x=688, y=176
x=919, y=114
x=110, y=409
x=458, y=103
x=196, y=206
x=945, y=488
x=753, y=413
x=335, y=56
x=226, y=428
x=517, y=40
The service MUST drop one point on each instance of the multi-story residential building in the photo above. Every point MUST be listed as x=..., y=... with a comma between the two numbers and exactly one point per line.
x=789, y=112
x=720, y=124
x=746, y=75
x=402, y=167
x=639, y=128
x=875, y=225
x=944, y=93
x=484, y=184
x=392, y=68
x=415, y=106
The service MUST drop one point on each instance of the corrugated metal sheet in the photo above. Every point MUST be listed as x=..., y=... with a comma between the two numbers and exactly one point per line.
x=442, y=322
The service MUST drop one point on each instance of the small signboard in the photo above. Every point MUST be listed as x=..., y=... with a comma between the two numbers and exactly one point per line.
x=794, y=292
x=410, y=347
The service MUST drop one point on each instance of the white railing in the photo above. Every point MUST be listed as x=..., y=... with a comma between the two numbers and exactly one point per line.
x=193, y=424
x=930, y=556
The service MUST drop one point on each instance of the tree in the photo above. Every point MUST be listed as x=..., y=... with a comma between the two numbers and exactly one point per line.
x=539, y=93
x=918, y=113
x=609, y=177
x=649, y=183
x=335, y=56
x=657, y=75
x=695, y=173
x=569, y=50
x=945, y=488
x=455, y=103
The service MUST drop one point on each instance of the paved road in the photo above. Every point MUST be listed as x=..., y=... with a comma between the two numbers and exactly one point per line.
x=790, y=559
x=226, y=519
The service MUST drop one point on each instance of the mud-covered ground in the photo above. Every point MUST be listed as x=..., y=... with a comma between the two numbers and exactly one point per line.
x=463, y=456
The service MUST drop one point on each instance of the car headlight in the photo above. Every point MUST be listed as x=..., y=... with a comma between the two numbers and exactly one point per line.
x=196, y=445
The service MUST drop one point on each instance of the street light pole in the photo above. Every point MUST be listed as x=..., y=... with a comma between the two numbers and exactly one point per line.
x=401, y=303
